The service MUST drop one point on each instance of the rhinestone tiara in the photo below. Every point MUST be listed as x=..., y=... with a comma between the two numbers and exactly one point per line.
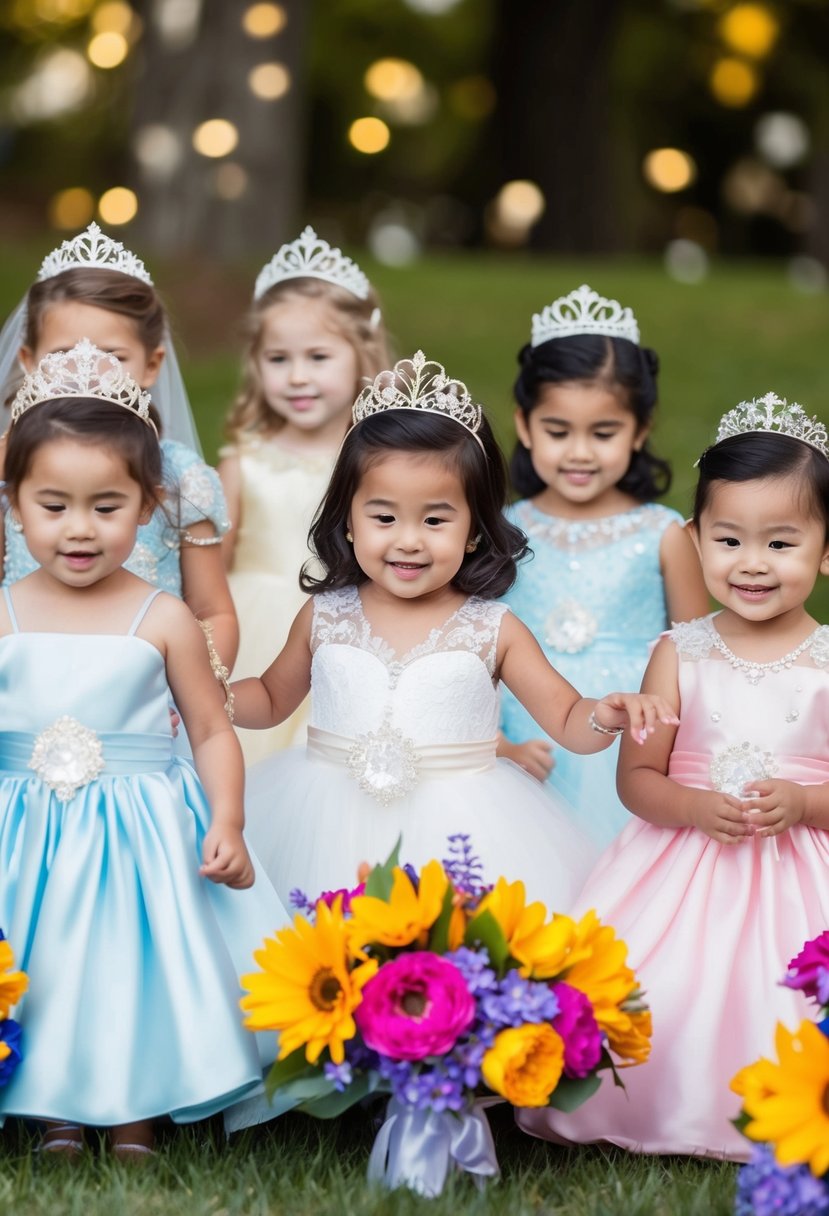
x=83, y=371
x=310, y=257
x=420, y=384
x=90, y=249
x=584, y=311
x=775, y=415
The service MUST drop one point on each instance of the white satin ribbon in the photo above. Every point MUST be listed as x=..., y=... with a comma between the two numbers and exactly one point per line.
x=416, y=1148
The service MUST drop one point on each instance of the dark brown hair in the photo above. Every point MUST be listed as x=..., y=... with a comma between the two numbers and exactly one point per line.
x=107, y=289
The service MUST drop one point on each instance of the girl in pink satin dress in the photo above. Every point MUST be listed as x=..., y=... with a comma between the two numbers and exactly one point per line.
x=725, y=873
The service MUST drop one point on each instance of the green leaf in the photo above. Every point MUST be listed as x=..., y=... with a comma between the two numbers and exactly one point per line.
x=439, y=937
x=572, y=1091
x=331, y=1105
x=380, y=880
x=742, y=1121
x=283, y=1071
x=484, y=930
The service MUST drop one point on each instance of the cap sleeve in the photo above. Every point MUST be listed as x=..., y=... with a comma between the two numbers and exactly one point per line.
x=195, y=488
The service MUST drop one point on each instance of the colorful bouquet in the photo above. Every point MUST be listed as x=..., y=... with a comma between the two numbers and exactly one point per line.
x=12, y=986
x=448, y=995
x=786, y=1106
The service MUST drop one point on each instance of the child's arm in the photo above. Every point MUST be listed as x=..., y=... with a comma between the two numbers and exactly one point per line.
x=774, y=806
x=642, y=780
x=205, y=590
x=685, y=592
x=535, y=756
x=230, y=474
x=557, y=706
x=266, y=700
x=216, y=750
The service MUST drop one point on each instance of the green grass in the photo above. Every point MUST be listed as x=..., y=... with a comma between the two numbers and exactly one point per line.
x=299, y=1167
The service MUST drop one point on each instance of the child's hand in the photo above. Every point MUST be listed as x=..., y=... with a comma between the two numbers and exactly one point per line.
x=535, y=756
x=226, y=858
x=773, y=806
x=721, y=817
x=640, y=711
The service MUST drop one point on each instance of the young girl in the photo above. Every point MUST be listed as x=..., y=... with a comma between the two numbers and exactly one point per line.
x=724, y=875
x=610, y=567
x=92, y=287
x=313, y=334
x=404, y=646
x=106, y=837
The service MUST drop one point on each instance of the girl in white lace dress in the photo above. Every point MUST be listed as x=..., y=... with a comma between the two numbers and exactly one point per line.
x=403, y=645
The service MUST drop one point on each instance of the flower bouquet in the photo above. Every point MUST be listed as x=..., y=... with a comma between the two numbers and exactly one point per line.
x=447, y=995
x=786, y=1106
x=12, y=986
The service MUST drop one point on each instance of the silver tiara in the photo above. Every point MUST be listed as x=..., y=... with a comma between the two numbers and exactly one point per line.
x=309, y=256
x=420, y=384
x=83, y=371
x=584, y=311
x=775, y=415
x=93, y=249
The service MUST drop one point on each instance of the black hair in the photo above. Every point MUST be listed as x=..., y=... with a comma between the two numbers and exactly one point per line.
x=761, y=455
x=616, y=362
x=491, y=569
x=92, y=421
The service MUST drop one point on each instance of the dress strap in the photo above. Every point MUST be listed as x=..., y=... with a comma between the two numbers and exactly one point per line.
x=142, y=611
x=10, y=609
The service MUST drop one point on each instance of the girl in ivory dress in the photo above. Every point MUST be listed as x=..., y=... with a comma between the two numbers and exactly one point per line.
x=723, y=876
x=123, y=863
x=610, y=567
x=92, y=287
x=313, y=333
x=403, y=643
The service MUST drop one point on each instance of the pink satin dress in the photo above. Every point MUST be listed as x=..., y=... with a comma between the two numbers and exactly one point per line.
x=711, y=928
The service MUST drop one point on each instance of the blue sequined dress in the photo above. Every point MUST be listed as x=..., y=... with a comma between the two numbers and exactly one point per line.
x=593, y=595
x=133, y=958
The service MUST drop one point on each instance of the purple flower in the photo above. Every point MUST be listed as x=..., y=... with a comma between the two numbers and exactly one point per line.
x=432, y=1089
x=340, y=1074
x=417, y=1005
x=517, y=1001
x=299, y=900
x=579, y=1029
x=464, y=868
x=10, y=1034
x=809, y=970
x=765, y=1188
x=475, y=969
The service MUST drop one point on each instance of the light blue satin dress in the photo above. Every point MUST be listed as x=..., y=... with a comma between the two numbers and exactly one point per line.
x=133, y=959
x=594, y=596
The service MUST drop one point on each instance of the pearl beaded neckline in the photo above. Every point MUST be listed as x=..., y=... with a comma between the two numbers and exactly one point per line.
x=754, y=672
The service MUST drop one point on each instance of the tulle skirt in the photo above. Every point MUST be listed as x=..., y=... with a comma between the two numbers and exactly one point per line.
x=133, y=959
x=710, y=931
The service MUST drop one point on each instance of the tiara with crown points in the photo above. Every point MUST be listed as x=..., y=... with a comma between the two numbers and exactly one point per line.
x=92, y=249
x=774, y=415
x=84, y=371
x=420, y=384
x=583, y=311
x=311, y=257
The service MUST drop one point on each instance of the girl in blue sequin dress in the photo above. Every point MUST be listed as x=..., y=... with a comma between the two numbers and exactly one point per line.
x=610, y=567
x=126, y=882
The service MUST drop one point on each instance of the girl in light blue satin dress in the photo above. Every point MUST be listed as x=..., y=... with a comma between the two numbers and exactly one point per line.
x=611, y=568
x=126, y=882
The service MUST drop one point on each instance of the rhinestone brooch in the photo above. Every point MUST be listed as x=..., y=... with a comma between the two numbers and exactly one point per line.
x=735, y=767
x=66, y=756
x=384, y=763
x=570, y=628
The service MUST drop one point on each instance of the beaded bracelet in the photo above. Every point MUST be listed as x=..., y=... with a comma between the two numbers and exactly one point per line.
x=200, y=542
x=219, y=670
x=603, y=730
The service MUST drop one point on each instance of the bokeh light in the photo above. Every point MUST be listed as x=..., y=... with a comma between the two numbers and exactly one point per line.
x=807, y=274
x=685, y=261
x=269, y=81
x=750, y=29
x=733, y=82
x=118, y=205
x=230, y=181
x=393, y=80
x=749, y=186
x=215, y=137
x=158, y=150
x=432, y=8
x=392, y=240
x=264, y=20
x=107, y=50
x=177, y=22
x=369, y=135
x=669, y=169
x=62, y=10
x=71, y=208
x=520, y=202
x=114, y=16
x=781, y=139
x=60, y=82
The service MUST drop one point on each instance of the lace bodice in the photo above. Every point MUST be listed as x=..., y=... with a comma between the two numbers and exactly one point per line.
x=442, y=691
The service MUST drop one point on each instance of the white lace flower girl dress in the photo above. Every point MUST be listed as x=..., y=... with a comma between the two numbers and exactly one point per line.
x=405, y=746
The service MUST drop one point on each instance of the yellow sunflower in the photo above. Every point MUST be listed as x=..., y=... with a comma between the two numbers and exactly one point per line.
x=12, y=983
x=788, y=1102
x=407, y=915
x=596, y=966
x=305, y=989
x=539, y=947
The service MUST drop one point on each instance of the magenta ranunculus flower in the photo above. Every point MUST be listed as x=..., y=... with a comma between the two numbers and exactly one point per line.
x=809, y=970
x=328, y=897
x=579, y=1030
x=417, y=1005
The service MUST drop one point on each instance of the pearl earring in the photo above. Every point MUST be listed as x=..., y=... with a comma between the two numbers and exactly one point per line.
x=473, y=544
x=349, y=538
